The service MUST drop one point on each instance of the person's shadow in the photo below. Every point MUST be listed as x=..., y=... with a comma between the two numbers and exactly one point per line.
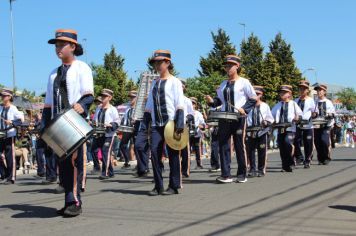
x=344, y=207
x=29, y=211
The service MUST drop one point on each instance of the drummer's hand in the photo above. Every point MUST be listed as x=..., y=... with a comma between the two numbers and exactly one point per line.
x=8, y=122
x=314, y=114
x=296, y=118
x=242, y=111
x=209, y=99
x=264, y=123
x=108, y=125
x=78, y=108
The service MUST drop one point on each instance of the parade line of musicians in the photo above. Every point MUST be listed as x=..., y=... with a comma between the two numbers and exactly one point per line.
x=71, y=86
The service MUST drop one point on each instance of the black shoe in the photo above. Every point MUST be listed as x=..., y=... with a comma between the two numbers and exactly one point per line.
x=8, y=182
x=299, y=161
x=261, y=174
x=252, y=174
x=185, y=176
x=306, y=166
x=61, y=211
x=73, y=210
x=170, y=191
x=126, y=166
x=287, y=170
x=213, y=170
x=49, y=181
x=326, y=162
x=3, y=181
x=199, y=167
x=102, y=177
x=155, y=192
x=141, y=175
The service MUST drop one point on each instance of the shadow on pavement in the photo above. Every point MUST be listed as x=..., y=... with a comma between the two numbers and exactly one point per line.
x=344, y=207
x=126, y=191
x=30, y=211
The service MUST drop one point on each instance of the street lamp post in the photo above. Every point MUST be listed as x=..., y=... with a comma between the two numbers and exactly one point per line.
x=85, y=50
x=315, y=73
x=13, y=46
x=244, y=25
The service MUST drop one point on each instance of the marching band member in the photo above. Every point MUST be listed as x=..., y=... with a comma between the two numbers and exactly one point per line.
x=69, y=86
x=235, y=94
x=305, y=133
x=194, y=140
x=188, y=114
x=322, y=134
x=286, y=111
x=260, y=116
x=9, y=118
x=94, y=146
x=107, y=115
x=126, y=137
x=165, y=103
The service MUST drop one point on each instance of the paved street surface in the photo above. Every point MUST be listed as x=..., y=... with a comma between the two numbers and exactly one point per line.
x=318, y=201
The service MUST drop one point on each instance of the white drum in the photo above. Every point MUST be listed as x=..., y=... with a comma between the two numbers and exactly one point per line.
x=66, y=133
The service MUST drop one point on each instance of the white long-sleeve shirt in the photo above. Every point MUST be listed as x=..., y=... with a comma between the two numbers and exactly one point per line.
x=308, y=107
x=325, y=107
x=107, y=116
x=9, y=113
x=261, y=113
x=293, y=110
x=165, y=97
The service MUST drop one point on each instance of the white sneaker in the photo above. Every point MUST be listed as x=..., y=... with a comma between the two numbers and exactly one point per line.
x=353, y=146
x=241, y=180
x=224, y=180
x=90, y=163
x=27, y=163
x=21, y=168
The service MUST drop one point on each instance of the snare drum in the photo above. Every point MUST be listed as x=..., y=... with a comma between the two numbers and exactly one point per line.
x=304, y=124
x=126, y=129
x=319, y=122
x=2, y=135
x=66, y=133
x=99, y=131
x=220, y=115
x=282, y=127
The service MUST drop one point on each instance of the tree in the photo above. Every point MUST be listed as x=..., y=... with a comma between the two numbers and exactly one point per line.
x=283, y=53
x=252, y=58
x=112, y=75
x=214, y=62
x=347, y=97
x=271, y=78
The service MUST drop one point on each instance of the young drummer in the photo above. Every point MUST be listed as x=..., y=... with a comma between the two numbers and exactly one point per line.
x=9, y=118
x=260, y=116
x=189, y=115
x=165, y=103
x=322, y=134
x=286, y=111
x=235, y=94
x=195, y=139
x=305, y=132
x=107, y=115
x=69, y=86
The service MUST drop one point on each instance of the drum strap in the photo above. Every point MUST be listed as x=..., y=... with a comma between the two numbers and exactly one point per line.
x=60, y=89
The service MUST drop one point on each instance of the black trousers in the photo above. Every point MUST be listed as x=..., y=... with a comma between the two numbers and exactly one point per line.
x=214, y=155
x=185, y=162
x=195, y=145
x=305, y=137
x=236, y=129
x=322, y=144
x=8, y=162
x=286, y=149
x=259, y=143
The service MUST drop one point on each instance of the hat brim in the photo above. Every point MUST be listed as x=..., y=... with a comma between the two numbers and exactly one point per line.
x=284, y=90
x=160, y=58
x=65, y=39
x=105, y=94
x=318, y=87
x=303, y=85
x=6, y=94
x=231, y=62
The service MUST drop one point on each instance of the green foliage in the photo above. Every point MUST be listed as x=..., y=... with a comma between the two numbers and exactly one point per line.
x=347, y=97
x=283, y=53
x=271, y=78
x=252, y=59
x=112, y=75
x=214, y=63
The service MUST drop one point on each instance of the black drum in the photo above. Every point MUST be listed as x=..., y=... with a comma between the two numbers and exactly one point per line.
x=303, y=124
x=319, y=122
x=2, y=134
x=220, y=115
x=126, y=129
x=99, y=131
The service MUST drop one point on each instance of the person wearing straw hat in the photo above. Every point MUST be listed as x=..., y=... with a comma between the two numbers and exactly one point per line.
x=128, y=137
x=305, y=133
x=108, y=116
x=165, y=103
x=260, y=116
x=235, y=95
x=189, y=116
x=195, y=138
x=70, y=86
x=10, y=117
x=286, y=111
x=322, y=136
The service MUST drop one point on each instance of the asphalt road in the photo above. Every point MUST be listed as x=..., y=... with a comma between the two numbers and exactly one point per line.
x=316, y=201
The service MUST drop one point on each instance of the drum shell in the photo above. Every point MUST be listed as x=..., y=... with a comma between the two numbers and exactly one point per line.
x=66, y=133
x=126, y=129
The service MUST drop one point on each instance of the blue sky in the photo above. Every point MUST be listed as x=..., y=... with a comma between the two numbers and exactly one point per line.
x=322, y=33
